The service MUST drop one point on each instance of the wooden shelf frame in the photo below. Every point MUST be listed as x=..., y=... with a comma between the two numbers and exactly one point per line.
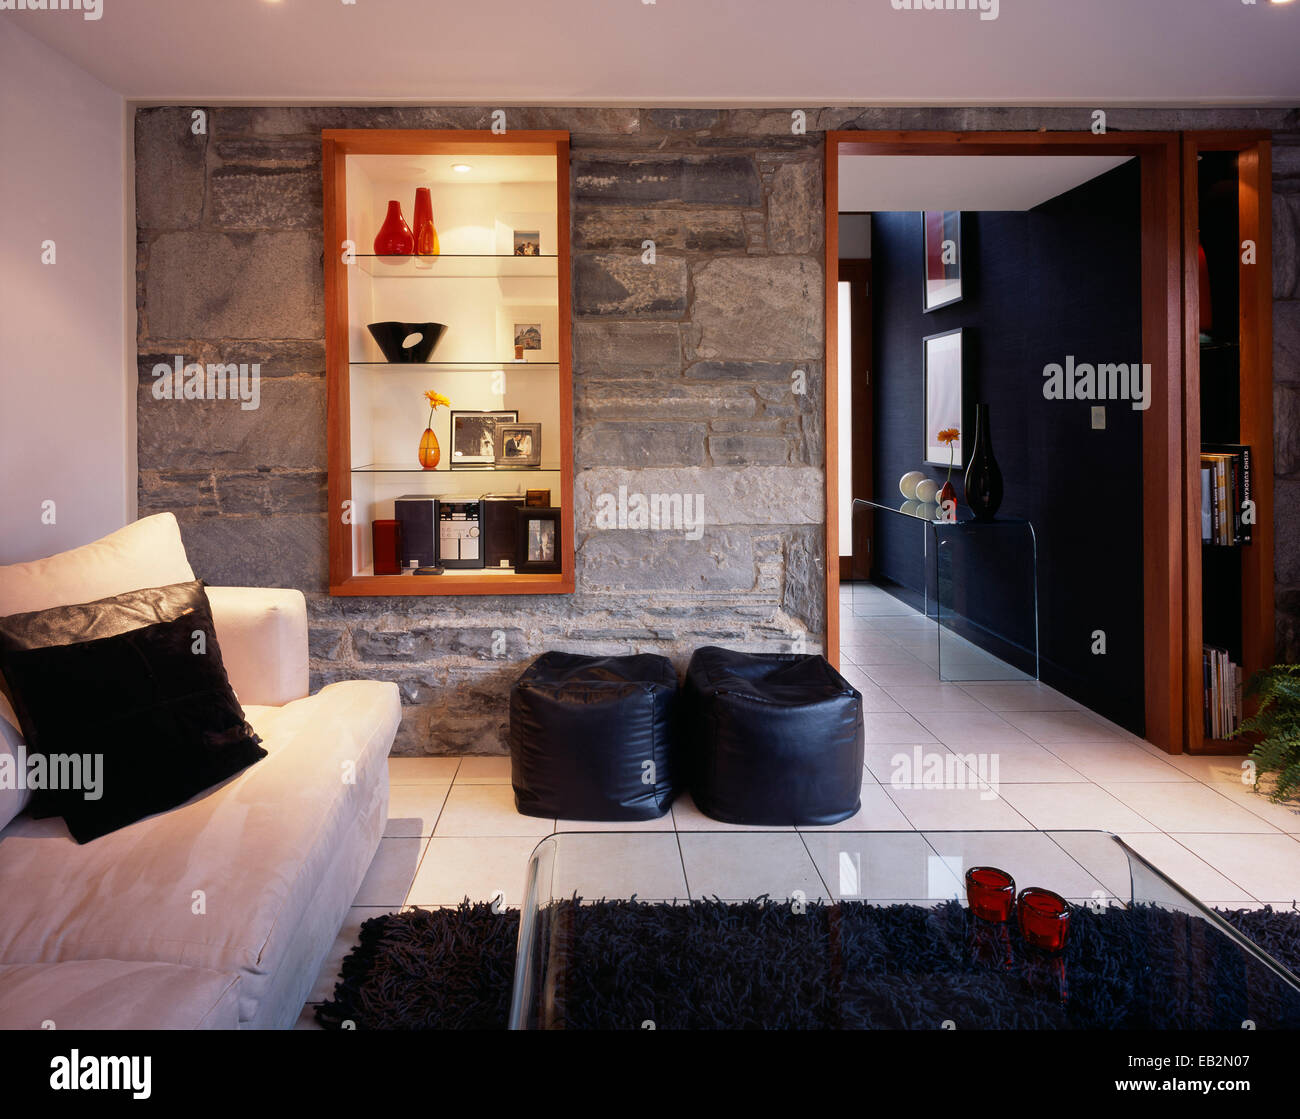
x=336, y=146
x=1255, y=385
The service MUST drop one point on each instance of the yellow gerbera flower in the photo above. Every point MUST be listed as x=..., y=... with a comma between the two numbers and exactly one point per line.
x=948, y=435
x=436, y=399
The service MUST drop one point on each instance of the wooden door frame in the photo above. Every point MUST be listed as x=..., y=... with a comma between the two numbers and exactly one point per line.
x=1255, y=387
x=860, y=375
x=1162, y=345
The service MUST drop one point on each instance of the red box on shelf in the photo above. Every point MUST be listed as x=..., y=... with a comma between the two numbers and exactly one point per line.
x=386, y=537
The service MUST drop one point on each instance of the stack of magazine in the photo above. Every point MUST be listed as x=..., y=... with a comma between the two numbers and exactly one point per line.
x=1222, y=692
x=1227, y=488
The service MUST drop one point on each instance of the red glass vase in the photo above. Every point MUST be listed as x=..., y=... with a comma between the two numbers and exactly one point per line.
x=386, y=539
x=990, y=893
x=394, y=237
x=1044, y=918
x=426, y=233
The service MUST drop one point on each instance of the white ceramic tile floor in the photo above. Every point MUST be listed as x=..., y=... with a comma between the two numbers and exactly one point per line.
x=1060, y=767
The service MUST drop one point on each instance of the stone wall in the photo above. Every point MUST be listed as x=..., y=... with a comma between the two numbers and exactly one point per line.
x=684, y=379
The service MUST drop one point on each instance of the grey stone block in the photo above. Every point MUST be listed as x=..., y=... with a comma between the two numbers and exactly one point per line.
x=235, y=285
x=596, y=399
x=263, y=491
x=714, y=180
x=632, y=349
x=779, y=374
x=1286, y=246
x=269, y=153
x=796, y=209
x=286, y=430
x=758, y=308
x=273, y=198
x=682, y=120
x=748, y=450
x=1286, y=340
x=664, y=562
x=731, y=496
x=1286, y=429
x=274, y=359
x=170, y=164
x=1286, y=529
x=258, y=551
x=620, y=285
x=640, y=444
x=626, y=228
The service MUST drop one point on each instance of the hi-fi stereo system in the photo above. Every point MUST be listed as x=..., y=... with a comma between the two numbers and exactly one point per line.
x=428, y=535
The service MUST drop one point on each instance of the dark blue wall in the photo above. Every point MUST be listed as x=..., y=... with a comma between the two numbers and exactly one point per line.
x=1061, y=279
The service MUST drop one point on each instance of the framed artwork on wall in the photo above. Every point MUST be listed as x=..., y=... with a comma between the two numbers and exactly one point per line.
x=537, y=541
x=941, y=234
x=941, y=362
x=473, y=437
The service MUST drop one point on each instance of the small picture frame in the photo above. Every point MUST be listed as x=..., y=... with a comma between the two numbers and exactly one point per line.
x=941, y=360
x=473, y=437
x=537, y=541
x=941, y=279
x=537, y=499
x=528, y=242
x=528, y=335
x=518, y=445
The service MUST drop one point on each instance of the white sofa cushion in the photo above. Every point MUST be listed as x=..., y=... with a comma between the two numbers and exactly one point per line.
x=257, y=847
x=263, y=636
x=147, y=553
x=13, y=792
x=117, y=995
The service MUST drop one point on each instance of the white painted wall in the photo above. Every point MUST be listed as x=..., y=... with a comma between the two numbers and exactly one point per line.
x=66, y=400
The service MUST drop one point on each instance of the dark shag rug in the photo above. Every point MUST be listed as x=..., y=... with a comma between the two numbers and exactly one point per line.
x=758, y=964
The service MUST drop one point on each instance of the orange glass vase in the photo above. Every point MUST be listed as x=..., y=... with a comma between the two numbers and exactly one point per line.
x=430, y=452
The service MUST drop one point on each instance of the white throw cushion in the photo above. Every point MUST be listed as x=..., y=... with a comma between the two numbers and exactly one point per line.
x=148, y=553
x=13, y=799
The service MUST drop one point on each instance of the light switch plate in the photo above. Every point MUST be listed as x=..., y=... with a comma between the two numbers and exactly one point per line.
x=1098, y=417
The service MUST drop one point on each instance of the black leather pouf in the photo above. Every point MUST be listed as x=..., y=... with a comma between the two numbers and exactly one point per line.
x=773, y=739
x=593, y=738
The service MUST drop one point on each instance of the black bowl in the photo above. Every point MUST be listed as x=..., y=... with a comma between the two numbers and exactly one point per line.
x=407, y=342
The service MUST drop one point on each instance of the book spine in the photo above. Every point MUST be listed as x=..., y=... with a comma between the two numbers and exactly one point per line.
x=1207, y=527
x=1247, y=491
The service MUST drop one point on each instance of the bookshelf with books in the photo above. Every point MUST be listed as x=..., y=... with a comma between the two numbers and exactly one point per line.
x=1228, y=417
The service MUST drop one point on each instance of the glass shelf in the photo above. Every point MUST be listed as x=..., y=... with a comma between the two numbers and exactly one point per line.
x=447, y=468
x=462, y=266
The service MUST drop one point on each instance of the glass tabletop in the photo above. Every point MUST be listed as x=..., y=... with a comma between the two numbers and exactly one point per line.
x=751, y=928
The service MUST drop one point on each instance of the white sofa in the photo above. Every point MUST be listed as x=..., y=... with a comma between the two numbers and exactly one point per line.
x=219, y=913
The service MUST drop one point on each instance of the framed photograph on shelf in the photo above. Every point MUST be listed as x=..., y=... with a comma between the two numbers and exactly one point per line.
x=518, y=444
x=528, y=335
x=941, y=230
x=537, y=541
x=941, y=360
x=473, y=437
x=527, y=242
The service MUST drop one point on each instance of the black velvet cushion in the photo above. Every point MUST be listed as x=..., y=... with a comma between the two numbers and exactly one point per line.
x=153, y=704
x=594, y=738
x=774, y=739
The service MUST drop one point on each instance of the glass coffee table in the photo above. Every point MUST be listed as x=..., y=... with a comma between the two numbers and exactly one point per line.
x=857, y=930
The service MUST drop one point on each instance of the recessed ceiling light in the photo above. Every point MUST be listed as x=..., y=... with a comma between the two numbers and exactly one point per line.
x=462, y=168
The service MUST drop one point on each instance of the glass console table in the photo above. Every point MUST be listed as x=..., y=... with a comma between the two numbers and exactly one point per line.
x=859, y=930
x=978, y=580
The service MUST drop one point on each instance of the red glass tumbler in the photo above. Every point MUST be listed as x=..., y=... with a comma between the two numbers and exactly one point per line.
x=1044, y=918
x=990, y=893
x=386, y=536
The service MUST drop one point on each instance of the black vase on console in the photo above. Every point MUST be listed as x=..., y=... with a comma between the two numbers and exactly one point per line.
x=983, y=478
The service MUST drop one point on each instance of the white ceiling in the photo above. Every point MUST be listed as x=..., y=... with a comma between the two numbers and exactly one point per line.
x=963, y=182
x=677, y=52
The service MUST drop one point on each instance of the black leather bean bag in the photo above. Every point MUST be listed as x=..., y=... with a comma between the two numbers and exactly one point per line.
x=592, y=738
x=773, y=739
